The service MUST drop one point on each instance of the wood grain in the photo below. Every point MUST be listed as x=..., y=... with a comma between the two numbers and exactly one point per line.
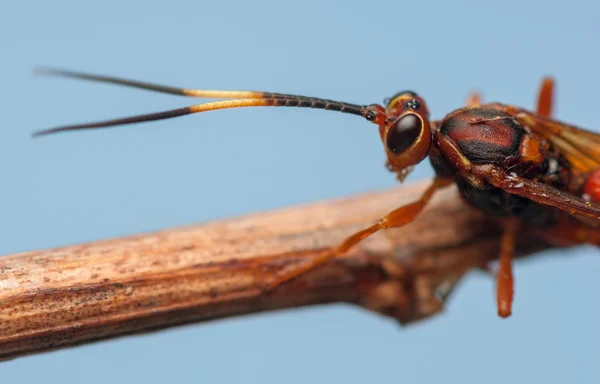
x=83, y=293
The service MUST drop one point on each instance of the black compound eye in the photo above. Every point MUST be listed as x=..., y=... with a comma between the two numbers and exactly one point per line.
x=403, y=133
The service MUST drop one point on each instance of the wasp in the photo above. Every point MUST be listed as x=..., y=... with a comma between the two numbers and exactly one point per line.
x=523, y=167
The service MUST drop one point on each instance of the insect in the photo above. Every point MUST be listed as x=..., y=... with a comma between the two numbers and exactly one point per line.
x=525, y=168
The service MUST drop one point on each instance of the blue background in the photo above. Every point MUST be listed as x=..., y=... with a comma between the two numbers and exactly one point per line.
x=74, y=188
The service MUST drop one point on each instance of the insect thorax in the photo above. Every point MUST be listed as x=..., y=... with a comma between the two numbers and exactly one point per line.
x=484, y=135
x=489, y=136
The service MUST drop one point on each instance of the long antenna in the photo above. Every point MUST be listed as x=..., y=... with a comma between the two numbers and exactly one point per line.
x=203, y=93
x=242, y=99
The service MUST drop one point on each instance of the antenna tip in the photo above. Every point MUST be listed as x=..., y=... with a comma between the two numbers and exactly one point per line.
x=36, y=71
x=44, y=132
x=42, y=71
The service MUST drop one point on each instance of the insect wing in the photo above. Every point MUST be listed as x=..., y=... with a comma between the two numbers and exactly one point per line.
x=579, y=146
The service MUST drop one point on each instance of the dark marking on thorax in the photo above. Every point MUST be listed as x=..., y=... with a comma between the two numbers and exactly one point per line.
x=484, y=135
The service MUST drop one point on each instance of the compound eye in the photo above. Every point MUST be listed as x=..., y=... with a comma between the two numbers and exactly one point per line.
x=403, y=133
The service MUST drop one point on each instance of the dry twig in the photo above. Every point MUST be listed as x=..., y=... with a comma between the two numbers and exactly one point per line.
x=78, y=294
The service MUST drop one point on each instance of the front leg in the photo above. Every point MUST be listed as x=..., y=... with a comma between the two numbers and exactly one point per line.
x=396, y=218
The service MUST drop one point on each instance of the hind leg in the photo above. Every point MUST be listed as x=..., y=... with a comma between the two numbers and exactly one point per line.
x=545, y=103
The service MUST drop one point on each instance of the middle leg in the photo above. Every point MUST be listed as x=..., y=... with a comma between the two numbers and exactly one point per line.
x=504, y=279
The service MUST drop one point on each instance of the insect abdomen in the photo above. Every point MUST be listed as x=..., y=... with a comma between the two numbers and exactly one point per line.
x=498, y=203
x=484, y=135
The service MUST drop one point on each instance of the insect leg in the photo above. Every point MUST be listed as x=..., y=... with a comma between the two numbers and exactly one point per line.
x=504, y=279
x=474, y=99
x=546, y=97
x=396, y=218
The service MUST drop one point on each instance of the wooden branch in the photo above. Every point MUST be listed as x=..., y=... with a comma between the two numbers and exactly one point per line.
x=79, y=294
